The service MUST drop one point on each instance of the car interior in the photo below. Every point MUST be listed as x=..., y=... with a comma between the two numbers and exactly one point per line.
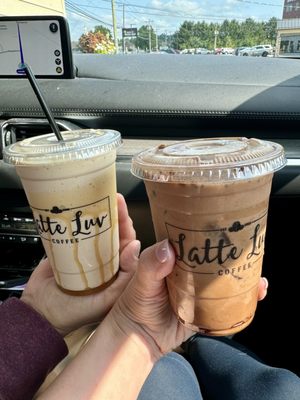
x=158, y=99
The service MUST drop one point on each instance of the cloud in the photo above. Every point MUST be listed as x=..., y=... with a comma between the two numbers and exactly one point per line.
x=178, y=6
x=80, y=24
x=217, y=10
x=168, y=15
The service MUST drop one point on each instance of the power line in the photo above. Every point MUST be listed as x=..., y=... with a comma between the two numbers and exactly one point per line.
x=40, y=6
x=86, y=17
x=168, y=13
x=77, y=10
x=258, y=3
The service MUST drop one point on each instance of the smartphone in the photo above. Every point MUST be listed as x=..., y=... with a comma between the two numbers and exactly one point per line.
x=42, y=42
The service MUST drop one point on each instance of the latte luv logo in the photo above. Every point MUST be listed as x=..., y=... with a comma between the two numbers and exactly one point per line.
x=69, y=225
x=206, y=250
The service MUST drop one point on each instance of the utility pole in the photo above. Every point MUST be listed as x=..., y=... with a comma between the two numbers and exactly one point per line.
x=149, y=35
x=156, y=41
x=114, y=24
x=123, y=37
x=216, y=36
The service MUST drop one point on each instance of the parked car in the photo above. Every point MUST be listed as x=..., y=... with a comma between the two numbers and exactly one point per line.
x=262, y=50
x=202, y=50
x=238, y=50
x=245, y=51
x=227, y=50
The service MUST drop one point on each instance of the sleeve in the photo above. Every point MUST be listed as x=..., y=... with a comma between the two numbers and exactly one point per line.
x=29, y=349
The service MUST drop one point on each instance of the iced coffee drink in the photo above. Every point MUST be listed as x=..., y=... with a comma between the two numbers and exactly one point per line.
x=71, y=189
x=210, y=198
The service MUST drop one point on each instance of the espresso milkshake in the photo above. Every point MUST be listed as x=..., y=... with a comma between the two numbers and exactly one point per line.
x=71, y=189
x=210, y=198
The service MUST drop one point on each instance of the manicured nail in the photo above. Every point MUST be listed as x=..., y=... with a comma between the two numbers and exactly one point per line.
x=266, y=283
x=163, y=251
x=137, y=250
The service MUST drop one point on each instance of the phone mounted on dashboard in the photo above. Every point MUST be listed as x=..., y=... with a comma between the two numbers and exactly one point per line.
x=42, y=42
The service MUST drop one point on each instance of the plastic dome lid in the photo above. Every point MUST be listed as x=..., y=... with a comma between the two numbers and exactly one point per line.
x=213, y=160
x=77, y=145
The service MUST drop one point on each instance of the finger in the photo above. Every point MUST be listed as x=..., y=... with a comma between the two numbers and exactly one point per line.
x=43, y=270
x=126, y=229
x=130, y=256
x=156, y=262
x=262, y=289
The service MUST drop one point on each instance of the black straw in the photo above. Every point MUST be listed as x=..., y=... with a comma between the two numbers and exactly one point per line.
x=41, y=99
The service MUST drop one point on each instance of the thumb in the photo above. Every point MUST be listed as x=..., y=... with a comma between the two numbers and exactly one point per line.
x=43, y=270
x=129, y=256
x=156, y=262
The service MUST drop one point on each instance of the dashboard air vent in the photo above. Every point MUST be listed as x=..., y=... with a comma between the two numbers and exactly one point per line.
x=14, y=130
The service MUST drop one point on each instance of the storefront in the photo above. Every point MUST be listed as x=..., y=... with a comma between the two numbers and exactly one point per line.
x=288, y=38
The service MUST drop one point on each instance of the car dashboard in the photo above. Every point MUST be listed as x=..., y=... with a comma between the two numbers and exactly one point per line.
x=153, y=99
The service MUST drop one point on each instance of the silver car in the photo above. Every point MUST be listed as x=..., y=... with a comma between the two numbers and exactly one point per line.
x=263, y=50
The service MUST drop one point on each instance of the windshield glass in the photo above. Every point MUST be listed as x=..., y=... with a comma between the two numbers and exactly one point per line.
x=267, y=28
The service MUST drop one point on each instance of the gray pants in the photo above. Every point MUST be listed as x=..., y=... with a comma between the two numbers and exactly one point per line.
x=227, y=370
x=224, y=369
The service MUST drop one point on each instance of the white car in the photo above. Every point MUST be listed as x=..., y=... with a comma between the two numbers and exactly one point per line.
x=262, y=50
x=227, y=50
x=245, y=51
x=202, y=50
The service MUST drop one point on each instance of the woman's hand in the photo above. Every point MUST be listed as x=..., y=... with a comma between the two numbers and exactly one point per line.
x=144, y=306
x=262, y=289
x=67, y=313
x=138, y=330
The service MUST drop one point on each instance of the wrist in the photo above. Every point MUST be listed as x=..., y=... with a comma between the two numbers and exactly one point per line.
x=124, y=329
x=116, y=348
x=26, y=299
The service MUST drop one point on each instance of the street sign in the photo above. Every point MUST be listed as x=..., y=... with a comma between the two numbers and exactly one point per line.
x=129, y=32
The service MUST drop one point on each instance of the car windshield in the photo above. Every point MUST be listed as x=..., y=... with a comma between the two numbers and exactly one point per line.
x=267, y=28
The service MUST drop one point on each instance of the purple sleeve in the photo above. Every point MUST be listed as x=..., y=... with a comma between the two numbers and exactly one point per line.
x=29, y=349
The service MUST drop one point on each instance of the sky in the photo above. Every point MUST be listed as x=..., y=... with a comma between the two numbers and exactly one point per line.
x=164, y=16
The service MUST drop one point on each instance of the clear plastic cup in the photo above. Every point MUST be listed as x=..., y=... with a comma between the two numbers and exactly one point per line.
x=210, y=198
x=71, y=188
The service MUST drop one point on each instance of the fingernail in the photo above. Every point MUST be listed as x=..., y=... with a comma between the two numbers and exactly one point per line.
x=137, y=250
x=266, y=283
x=163, y=251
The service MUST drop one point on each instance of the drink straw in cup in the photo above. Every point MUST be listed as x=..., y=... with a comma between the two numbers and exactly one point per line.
x=41, y=100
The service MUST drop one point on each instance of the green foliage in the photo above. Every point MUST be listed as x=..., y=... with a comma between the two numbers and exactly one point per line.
x=230, y=33
x=190, y=35
x=142, y=42
x=104, y=30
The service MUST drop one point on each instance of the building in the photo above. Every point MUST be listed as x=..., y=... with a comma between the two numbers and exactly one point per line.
x=288, y=30
x=40, y=7
x=291, y=9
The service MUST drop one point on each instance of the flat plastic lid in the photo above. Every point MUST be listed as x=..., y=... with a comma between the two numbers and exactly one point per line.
x=213, y=160
x=77, y=145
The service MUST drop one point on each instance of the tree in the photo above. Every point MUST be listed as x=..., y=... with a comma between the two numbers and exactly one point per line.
x=103, y=29
x=185, y=35
x=231, y=33
x=142, y=41
x=96, y=42
x=164, y=40
x=270, y=29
